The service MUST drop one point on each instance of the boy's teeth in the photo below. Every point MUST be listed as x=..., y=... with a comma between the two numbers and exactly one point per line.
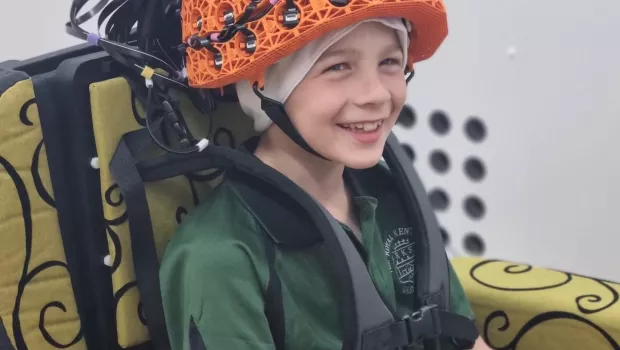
x=364, y=126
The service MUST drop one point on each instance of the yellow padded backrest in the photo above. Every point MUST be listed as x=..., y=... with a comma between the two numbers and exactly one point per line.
x=37, y=306
x=114, y=113
x=527, y=308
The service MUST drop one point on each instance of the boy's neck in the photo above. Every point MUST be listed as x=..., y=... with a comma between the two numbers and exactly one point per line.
x=320, y=178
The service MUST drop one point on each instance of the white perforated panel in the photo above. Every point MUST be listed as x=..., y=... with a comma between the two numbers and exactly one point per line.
x=544, y=79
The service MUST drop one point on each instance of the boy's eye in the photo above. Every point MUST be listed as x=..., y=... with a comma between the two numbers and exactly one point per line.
x=391, y=61
x=337, y=67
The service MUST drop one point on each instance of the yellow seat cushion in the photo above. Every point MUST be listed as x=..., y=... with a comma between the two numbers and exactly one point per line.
x=522, y=307
x=114, y=113
x=37, y=305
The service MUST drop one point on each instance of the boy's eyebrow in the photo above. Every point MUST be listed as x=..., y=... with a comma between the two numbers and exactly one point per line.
x=393, y=47
x=351, y=51
x=337, y=52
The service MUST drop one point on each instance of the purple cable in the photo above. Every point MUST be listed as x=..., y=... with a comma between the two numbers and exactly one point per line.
x=273, y=2
x=93, y=39
x=215, y=37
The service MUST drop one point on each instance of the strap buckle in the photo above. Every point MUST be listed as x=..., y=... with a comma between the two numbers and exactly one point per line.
x=423, y=324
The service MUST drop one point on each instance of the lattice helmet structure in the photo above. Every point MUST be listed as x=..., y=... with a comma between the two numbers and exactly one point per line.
x=232, y=40
x=202, y=46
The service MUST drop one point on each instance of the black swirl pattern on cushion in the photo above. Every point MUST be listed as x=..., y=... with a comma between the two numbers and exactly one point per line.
x=115, y=203
x=141, y=313
x=594, y=298
x=118, y=251
x=108, y=196
x=221, y=133
x=134, y=108
x=119, y=295
x=23, y=112
x=38, y=184
x=581, y=300
x=515, y=269
x=533, y=323
x=26, y=276
x=46, y=334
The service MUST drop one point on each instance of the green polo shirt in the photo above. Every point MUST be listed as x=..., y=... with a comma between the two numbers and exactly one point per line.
x=214, y=273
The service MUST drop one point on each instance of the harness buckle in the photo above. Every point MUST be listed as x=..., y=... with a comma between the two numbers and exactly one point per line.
x=423, y=324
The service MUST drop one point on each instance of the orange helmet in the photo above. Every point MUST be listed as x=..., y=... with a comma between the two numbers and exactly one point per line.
x=232, y=40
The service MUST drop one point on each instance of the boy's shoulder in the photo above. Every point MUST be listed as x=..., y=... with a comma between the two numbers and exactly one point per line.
x=221, y=215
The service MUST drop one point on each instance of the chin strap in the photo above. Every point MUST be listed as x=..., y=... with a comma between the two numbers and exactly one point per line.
x=276, y=112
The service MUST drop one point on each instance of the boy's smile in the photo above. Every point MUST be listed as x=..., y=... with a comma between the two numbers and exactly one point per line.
x=364, y=132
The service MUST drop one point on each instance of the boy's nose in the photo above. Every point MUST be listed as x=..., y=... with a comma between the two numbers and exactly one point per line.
x=371, y=90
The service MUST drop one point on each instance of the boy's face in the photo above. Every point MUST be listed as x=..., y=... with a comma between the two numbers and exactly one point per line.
x=347, y=104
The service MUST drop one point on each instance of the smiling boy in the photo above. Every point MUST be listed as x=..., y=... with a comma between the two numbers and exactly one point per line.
x=343, y=93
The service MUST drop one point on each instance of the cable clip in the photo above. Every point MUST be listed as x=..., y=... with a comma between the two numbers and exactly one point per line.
x=93, y=39
x=229, y=18
x=290, y=17
x=250, y=44
x=202, y=144
x=147, y=73
x=218, y=60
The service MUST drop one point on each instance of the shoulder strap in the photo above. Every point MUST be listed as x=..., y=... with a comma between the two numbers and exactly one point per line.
x=433, y=278
x=432, y=281
x=274, y=305
x=123, y=167
x=294, y=220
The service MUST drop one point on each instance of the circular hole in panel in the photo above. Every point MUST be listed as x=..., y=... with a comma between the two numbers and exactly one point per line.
x=407, y=117
x=474, y=168
x=474, y=244
x=474, y=207
x=439, y=199
x=440, y=161
x=475, y=129
x=440, y=123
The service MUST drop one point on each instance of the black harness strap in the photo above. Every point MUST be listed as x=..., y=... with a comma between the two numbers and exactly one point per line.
x=274, y=305
x=252, y=195
x=195, y=338
x=428, y=323
x=146, y=265
x=5, y=342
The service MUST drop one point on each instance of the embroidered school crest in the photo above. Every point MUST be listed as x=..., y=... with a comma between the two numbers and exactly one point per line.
x=399, y=249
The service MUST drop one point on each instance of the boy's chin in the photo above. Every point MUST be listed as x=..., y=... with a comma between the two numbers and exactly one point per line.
x=363, y=161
